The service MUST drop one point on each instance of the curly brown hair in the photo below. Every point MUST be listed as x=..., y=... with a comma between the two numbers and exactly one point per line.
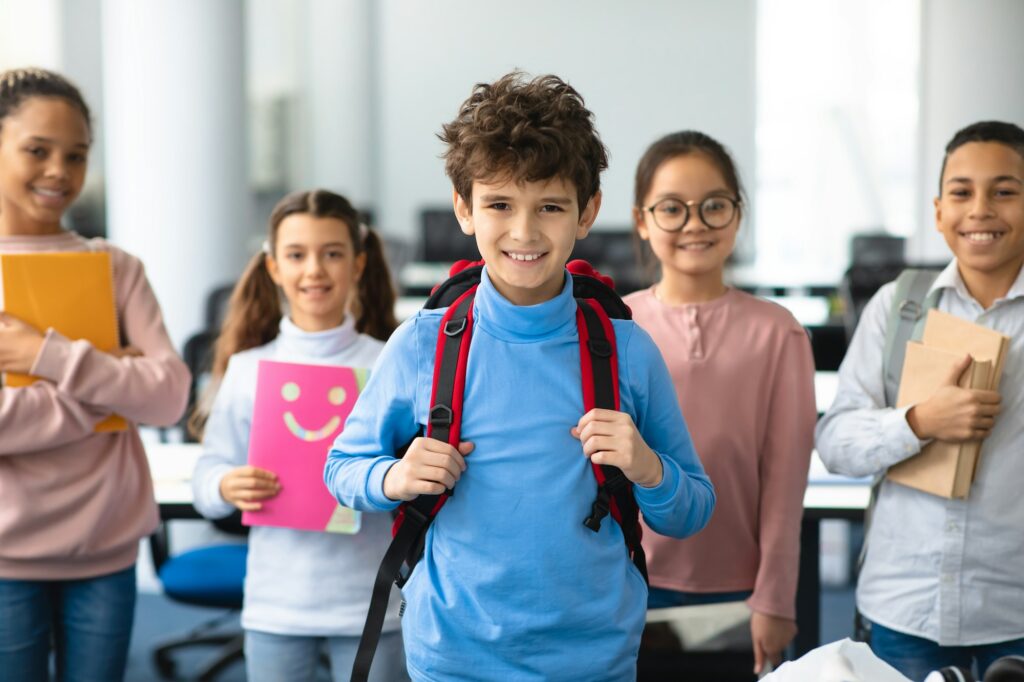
x=520, y=130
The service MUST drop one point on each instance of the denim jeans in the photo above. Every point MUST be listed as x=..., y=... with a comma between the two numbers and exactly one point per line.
x=274, y=658
x=659, y=598
x=88, y=623
x=915, y=657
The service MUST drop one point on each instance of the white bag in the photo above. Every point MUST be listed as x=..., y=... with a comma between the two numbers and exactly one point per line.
x=842, y=661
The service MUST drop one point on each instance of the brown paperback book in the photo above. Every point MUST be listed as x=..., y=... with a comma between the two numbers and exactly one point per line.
x=941, y=468
x=948, y=332
x=942, y=330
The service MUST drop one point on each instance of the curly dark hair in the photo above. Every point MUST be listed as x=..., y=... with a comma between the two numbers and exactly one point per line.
x=520, y=130
x=18, y=85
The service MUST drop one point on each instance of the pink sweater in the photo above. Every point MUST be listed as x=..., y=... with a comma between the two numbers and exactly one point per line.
x=74, y=503
x=744, y=374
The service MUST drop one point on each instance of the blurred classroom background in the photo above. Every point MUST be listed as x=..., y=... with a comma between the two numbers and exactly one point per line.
x=207, y=111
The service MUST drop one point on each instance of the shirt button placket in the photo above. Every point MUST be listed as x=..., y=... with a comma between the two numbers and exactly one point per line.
x=697, y=341
x=951, y=580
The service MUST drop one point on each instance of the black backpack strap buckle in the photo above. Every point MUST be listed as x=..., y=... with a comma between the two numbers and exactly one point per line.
x=455, y=326
x=598, y=510
x=600, y=347
x=441, y=415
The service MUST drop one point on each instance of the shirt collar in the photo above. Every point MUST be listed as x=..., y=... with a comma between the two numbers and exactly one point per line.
x=950, y=278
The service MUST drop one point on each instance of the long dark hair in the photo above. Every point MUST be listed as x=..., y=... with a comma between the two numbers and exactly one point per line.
x=254, y=312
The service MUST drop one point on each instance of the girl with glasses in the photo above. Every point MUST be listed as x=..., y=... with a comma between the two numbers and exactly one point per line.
x=744, y=375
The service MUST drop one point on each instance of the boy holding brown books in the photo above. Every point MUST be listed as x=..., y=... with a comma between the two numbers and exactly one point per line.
x=942, y=580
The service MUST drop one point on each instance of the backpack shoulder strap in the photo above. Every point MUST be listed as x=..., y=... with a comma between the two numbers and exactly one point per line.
x=414, y=517
x=600, y=374
x=910, y=305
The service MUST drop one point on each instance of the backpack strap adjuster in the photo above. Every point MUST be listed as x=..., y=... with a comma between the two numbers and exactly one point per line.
x=910, y=310
x=441, y=415
x=598, y=510
x=455, y=326
x=600, y=347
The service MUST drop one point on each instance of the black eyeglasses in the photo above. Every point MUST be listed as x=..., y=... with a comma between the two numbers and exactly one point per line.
x=715, y=211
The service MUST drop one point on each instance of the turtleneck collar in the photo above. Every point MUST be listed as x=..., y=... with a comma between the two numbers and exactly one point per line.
x=295, y=341
x=523, y=323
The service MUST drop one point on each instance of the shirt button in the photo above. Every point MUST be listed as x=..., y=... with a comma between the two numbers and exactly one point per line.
x=947, y=578
x=951, y=527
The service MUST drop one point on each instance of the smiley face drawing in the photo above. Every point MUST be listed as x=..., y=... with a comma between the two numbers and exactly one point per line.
x=298, y=409
x=291, y=392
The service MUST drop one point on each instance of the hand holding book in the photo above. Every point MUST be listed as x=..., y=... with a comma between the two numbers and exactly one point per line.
x=19, y=344
x=951, y=378
x=247, y=487
x=954, y=414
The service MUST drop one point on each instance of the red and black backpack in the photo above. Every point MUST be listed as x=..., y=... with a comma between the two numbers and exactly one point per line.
x=597, y=303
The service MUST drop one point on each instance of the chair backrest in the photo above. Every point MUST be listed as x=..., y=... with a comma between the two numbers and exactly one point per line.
x=875, y=258
x=217, y=307
x=198, y=357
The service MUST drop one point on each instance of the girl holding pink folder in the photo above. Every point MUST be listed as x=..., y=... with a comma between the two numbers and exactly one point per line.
x=744, y=375
x=304, y=590
x=74, y=502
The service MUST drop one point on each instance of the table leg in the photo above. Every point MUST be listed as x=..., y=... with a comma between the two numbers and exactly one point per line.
x=808, y=590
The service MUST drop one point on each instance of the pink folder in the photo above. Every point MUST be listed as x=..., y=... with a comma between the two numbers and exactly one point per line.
x=299, y=411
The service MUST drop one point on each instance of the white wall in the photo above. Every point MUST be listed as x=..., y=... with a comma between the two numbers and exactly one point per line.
x=30, y=34
x=644, y=69
x=973, y=69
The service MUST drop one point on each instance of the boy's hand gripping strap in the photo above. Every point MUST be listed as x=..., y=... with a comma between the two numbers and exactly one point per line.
x=414, y=517
x=600, y=373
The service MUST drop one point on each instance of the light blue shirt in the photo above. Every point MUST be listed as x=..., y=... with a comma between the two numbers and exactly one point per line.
x=512, y=586
x=951, y=571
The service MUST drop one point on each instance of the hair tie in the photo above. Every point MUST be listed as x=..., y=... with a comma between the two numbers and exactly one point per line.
x=364, y=231
x=265, y=247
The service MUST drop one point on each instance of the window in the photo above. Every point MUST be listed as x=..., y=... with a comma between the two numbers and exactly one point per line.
x=836, y=134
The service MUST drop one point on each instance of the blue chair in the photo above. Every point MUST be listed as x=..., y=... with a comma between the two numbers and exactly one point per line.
x=214, y=576
x=210, y=577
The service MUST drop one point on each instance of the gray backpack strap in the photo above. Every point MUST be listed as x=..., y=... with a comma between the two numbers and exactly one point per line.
x=906, y=321
x=910, y=306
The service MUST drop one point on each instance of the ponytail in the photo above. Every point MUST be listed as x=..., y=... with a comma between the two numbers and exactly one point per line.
x=375, y=303
x=253, y=319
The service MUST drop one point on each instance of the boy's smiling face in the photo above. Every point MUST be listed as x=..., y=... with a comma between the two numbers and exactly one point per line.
x=981, y=211
x=525, y=232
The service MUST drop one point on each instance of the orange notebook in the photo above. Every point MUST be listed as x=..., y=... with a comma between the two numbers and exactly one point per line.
x=71, y=292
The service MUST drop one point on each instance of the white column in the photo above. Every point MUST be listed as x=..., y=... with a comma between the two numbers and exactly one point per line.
x=175, y=119
x=972, y=68
x=339, y=98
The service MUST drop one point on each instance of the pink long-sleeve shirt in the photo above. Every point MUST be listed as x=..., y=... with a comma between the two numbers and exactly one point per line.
x=744, y=374
x=74, y=503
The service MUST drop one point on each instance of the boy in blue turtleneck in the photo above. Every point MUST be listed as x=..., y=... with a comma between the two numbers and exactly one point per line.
x=511, y=584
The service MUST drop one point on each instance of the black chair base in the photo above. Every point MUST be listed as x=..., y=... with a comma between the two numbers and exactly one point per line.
x=228, y=650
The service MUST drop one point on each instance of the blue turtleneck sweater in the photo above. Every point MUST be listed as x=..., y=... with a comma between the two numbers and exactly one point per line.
x=512, y=585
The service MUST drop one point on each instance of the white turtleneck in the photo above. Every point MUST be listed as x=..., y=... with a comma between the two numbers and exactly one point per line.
x=297, y=582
